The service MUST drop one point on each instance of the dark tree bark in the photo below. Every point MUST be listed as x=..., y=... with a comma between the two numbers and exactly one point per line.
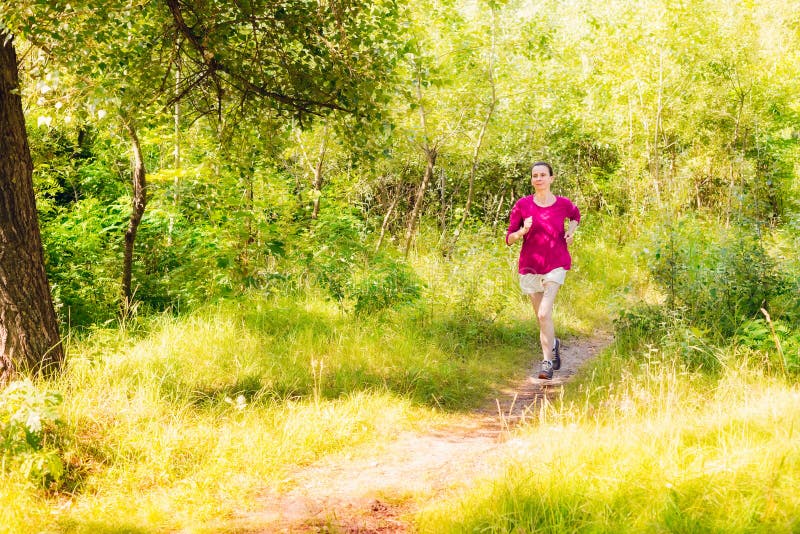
x=137, y=210
x=29, y=338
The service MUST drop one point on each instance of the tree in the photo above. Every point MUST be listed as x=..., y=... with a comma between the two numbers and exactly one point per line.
x=29, y=338
x=299, y=57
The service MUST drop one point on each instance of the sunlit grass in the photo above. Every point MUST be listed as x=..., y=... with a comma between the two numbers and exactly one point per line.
x=656, y=448
x=163, y=469
x=181, y=423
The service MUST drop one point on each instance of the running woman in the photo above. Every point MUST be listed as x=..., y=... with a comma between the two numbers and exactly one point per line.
x=544, y=258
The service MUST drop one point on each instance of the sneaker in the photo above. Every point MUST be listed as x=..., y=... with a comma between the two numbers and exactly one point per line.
x=557, y=355
x=547, y=370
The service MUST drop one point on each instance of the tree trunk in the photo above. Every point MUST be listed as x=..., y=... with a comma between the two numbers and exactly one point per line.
x=137, y=210
x=443, y=209
x=474, y=168
x=496, y=217
x=29, y=338
x=655, y=162
x=176, y=153
x=386, y=218
x=477, y=149
x=317, y=183
x=430, y=162
x=316, y=169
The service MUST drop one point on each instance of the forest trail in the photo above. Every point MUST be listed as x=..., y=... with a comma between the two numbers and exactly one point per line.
x=372, y=491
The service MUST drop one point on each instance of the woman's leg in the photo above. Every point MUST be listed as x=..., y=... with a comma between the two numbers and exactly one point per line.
x=543, y=307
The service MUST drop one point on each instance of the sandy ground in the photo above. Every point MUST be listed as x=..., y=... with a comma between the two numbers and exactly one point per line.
x=373, y=491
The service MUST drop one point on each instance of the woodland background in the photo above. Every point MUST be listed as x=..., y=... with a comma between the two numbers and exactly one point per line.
x=317, y=170
x=677, y=112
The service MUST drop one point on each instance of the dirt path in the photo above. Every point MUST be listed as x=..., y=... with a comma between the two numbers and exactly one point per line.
x=372, y=493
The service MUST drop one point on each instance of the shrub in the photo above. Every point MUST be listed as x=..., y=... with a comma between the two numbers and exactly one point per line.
x=353, y=275
x=386, y=284
x=757, y=335
x=27, y=418
x=667, y=328
x=641, y=325
x=720, y=284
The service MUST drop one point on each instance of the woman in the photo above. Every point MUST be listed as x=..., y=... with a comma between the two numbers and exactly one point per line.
x=544, y=258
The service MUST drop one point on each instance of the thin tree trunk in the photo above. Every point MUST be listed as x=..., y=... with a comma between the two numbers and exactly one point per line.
x=177, y=126
x=474, y=169
x=442, y=202
x=251, y=203
x=497, y=212
x=316, y=169
x=479, y=144
x=138, y=204
x=386, y=219
x=734, y=142
x=655, y=163
x=317, y=183
x=430, y=162
x=29, y=337
x=176, y=155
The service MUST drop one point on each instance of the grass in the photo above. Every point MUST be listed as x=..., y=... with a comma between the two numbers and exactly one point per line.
x=658, y=448
x=180, y=423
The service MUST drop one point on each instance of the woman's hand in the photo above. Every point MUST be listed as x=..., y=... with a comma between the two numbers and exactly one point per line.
x=569, y=235
x=527, y=222
x=513, y=237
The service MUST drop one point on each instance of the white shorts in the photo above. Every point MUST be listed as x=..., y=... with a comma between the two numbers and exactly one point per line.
x=534, y=283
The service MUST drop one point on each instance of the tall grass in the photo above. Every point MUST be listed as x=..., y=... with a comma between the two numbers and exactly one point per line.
x=655, y=448
x=177, y=423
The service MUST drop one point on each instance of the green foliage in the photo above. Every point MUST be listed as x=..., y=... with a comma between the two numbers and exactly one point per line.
x=720, y=284
x=28, y=417
x=352, y=275
x=643, y=328
x=779, y=342
x=82, y=255
x=386, y=284
x=639, y=325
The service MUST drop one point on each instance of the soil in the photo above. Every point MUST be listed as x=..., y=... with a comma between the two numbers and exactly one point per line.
x=378, y=490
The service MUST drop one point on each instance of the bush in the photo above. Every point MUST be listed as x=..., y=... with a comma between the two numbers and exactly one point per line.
x=641, y=325
x=27, y=418
x=354, y=276
x=720, y=284
x=386, y=284
x=666, y=328
x=757, y=335
x=83, y=263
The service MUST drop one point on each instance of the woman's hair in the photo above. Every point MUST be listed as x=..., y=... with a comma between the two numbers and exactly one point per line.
x=543, y=164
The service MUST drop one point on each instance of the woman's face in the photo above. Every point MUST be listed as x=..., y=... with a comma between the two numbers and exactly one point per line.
x=541, y=178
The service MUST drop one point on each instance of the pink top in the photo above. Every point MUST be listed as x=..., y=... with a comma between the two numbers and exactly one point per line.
x=544, y=247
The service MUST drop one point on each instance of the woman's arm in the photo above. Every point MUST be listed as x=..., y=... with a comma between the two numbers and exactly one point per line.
x=513, y=237
x=570, y=233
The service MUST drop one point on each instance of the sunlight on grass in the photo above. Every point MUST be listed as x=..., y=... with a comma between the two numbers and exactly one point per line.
x=655, y=450
x=181, y=423
x=185, y=425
